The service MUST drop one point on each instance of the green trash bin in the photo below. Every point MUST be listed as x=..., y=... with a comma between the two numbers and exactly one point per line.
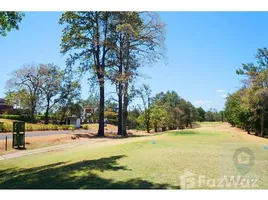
x=19, y=140
x=18, y=135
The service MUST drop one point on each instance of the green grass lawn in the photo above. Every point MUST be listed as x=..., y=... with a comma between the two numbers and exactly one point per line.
x=152, y=162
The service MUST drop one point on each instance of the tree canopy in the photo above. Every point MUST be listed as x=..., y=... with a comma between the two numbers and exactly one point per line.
x=9, y=20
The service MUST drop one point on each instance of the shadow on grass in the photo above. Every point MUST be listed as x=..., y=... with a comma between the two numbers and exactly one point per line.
x=79, y=175
x=195, y=125
x=92, y=136
x=183, y=132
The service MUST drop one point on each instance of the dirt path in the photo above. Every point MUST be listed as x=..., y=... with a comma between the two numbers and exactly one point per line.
x=51, y=148
x=84, y=142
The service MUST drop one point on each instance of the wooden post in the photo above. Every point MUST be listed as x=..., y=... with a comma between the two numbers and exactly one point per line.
x=6, y=143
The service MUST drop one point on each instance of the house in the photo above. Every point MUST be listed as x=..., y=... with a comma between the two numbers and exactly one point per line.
x=78, y=119
x=243, y=158
x=87, y=111
x=73, y=120
x=4, y=107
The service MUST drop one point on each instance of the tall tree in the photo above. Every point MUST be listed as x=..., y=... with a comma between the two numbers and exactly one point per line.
x=139, y=40
x=257, y=82
x=174, y=105
x=159, y=117
x=201, y=113
x=145, y=94
x=87, y=36
x=190, y=112
x=19, y=99
x=145, y=43
x=51, y=80
x=28, y=79
x=57, y=86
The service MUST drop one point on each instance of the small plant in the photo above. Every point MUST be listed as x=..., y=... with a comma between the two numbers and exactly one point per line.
x=7, y=127
x=56, y=127
x=29, y=128
x=85, y=127
x=71, y=127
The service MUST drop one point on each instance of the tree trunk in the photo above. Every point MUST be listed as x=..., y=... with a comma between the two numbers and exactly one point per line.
x=32, y=115
x=262, y=127
x=63, y=115
x=120, y=92
x=125, y=89
x=46, y=114
x=125, y=105
x=101, y=113
x=147, y=122
x=32, y=112
x=120, y=109
x=148, y=117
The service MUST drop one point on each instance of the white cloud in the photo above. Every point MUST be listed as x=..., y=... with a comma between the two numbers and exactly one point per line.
x=221, y=91
x=201, y=102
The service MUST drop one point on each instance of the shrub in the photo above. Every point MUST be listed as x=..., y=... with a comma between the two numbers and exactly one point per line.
x=55, y=127
x=85, y=127
x=28, y=127
x=71, y=127
x=16, y=117
x=7, y=127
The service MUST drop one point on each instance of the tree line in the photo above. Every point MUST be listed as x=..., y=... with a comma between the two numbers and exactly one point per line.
x=247, y=108
x=167, y=110
x=42, y=87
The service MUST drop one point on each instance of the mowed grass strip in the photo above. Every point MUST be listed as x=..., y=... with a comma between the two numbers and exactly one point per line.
x=152, y=162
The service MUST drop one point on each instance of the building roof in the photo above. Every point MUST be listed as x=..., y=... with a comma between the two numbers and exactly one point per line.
x=5, y=107
x=89, y=107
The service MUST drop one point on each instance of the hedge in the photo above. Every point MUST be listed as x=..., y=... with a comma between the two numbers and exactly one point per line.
x=16, y=117
x=24, y=118
x=38, y=127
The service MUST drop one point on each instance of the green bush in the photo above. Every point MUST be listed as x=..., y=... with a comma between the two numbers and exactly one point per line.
x=28, y=127
x=85, y=127
x=71, y=127
x=7, y=127
x=16, y=117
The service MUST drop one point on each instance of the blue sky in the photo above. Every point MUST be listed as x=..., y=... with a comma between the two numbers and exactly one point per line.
x=204, y=50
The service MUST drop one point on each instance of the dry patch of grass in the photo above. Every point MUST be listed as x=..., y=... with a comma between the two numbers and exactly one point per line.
x=95, y=126
x=39, y=142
